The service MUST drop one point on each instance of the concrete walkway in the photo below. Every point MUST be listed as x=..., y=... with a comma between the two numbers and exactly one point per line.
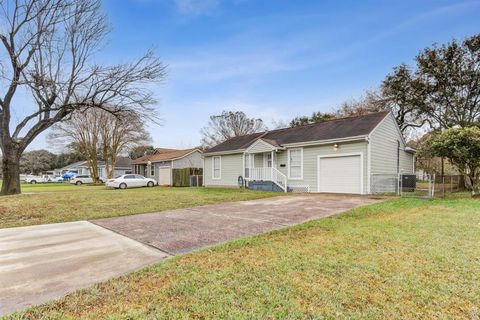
x=41, y=263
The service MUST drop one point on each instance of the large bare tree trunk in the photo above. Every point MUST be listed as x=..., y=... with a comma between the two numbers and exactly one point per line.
x=11, y=172
x=47, y=50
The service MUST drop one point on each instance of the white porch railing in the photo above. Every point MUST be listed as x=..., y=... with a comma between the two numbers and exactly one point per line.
x=267, y=174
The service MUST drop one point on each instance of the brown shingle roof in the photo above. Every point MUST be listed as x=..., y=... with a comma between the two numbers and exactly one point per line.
x=327, y=130
x=164, y=155
x=235, y=143
x=163, y=150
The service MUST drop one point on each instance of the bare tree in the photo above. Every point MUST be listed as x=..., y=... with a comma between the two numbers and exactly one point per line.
x=46, y=51
x=121, y=133
x=83, y=130
x=389, y=97
x=370, y=101
x=99, y=133
x=228, y=125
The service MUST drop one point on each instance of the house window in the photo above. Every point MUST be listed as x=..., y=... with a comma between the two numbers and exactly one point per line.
x=295, y=164
x=216, y=168
x=269, y=160
x=152, y=170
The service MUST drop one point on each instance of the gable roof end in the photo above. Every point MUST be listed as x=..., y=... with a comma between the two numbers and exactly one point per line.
x=165, y=156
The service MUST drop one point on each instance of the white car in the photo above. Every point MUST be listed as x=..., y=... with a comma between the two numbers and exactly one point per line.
x=37, y=179
x=83, y=179
x=130, y=181
x=42, y=179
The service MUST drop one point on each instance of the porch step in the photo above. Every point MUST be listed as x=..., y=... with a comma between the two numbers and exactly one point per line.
x=265, y=186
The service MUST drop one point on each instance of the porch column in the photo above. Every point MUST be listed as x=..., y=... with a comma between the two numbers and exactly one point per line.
x=243, y=164
x=271, y=167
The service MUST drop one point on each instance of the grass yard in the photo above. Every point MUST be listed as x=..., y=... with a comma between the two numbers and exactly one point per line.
x=58, y=202
x=399, y=259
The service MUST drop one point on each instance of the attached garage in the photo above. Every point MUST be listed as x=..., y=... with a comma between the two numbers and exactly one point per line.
x=340, y=173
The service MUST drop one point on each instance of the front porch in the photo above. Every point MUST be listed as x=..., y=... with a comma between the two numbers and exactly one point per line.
x=260, y=168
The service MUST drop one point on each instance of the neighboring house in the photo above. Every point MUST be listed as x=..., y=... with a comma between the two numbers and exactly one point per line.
x=161, y=164
x=122, y=166
x=336, y=156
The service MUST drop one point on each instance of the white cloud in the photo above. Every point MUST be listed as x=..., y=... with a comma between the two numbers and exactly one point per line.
x=196, y=7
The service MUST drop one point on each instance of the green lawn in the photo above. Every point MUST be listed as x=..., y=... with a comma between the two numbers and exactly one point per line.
x=399, y=259
x=57, y=202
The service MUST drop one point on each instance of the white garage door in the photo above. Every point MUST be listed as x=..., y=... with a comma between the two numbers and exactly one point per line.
x=340, y=174
x=164, y=177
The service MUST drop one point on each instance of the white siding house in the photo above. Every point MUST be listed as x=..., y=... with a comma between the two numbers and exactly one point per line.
x=161, y=164
x=338, y=156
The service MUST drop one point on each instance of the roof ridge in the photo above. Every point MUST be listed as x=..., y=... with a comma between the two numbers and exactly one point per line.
x=331, y=120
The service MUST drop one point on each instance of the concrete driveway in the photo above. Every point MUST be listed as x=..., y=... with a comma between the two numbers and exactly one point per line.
x=186, y=230
x=41, y=263
x=45, y=262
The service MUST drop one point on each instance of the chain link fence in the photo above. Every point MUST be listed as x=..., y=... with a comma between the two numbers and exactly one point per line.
x=416, y=185
x=386, y=184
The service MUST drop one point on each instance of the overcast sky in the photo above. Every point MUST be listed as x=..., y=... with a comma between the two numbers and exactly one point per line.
x=272, y=59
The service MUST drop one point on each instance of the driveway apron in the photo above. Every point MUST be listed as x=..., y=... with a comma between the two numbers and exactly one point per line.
x=41, y=263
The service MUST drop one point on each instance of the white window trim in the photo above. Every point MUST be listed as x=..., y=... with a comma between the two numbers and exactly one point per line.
x=265, y=159
x=213, y=168
x=301, y=164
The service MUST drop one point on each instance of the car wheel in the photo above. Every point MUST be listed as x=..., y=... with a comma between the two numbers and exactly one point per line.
x=78, y=183
x=33, y=182
x=122, y=186
x=150, y=184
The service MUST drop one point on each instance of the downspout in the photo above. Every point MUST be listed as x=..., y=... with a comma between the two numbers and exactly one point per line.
x=398, y=156
x=369, y=164
x=398, y=168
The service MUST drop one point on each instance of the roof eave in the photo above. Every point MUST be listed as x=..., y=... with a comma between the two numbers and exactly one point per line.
x=224, y=152
x=326, y=141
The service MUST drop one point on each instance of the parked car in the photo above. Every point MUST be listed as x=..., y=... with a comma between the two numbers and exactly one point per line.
x=130, y=181
x=42, y=179
x=57, y=179
x=83, y=179
x=36, y=179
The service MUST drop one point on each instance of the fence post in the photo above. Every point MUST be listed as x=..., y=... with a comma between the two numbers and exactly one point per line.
x=399, y=184
x=433, y=187
x=443, y=186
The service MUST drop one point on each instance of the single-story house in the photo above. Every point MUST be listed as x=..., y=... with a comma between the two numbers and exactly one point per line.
x=161, y=164
x=123, y=166
x=336, y=156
